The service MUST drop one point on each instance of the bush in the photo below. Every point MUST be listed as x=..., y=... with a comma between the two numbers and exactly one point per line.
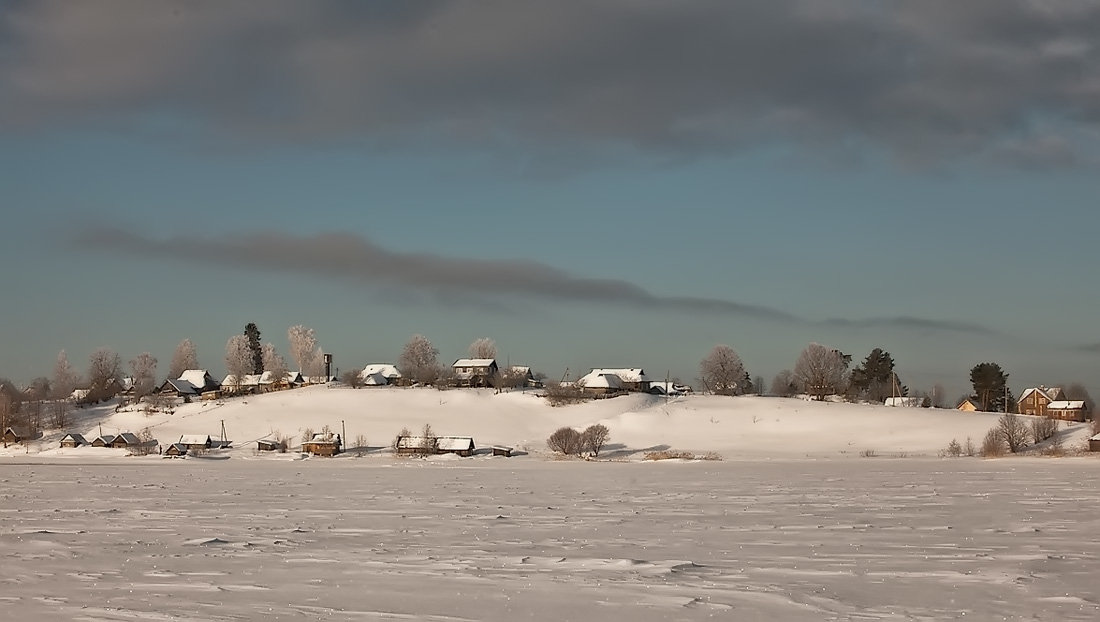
x=562, y=394
x=993, y=444
x=566, y=441
x=594, y=438
x=351, y=378
x=954, y=449
x=969, y=448
x=1013, y=432
x=1044, y=428
x=672, y=454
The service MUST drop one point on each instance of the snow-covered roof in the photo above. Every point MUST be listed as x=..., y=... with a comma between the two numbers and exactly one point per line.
x=77, y=438
x=1067, y=405
x=599, y=379
x=455, y=443
x=1050, y=393
x=387, y=370
x=79, y=394
x=106, y=438
x=197, y=377
x=375, y=379
x=412, y=442
x=474, y=363
x=626, y=374
x=665, y=388
x=195, y=439
x=183, y=387
x=520, y=369
x=128, y=437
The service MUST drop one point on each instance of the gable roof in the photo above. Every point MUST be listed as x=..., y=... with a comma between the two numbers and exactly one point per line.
x=194, y=439
x=600, y=379
x=182, y=387
x=374, y=379
x=128, y=438
x=77, y=438
x=455, y=443
x=474, y=363
x=387, y=370
x=106, y=439
x=626, y=374
x=1050, y=393
x=199, y=378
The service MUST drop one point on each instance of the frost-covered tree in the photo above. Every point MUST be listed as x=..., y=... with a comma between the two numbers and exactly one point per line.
x=238, y=357
x=315, y=366
x=273, y=362
x=104, y=371
x=821, y=370
x=419, y=360
x=185, y=357
x=143, y=369
x=303, y=344
x=483, y=348
x=722, y=371
x=65, y=377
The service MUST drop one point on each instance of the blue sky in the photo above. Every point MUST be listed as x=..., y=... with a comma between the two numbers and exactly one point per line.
x=589, y=184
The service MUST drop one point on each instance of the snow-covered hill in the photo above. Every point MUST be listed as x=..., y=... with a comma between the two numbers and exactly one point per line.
x=734, y=427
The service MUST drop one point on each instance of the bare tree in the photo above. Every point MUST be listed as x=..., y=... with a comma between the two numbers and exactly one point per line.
x=758, y=385
x=302, y=345
x=483, y=348
x=273, y=362
x=429, y=442
x=104, y=371
x=820, y=370
x=238, y=358
x=784, y=384
x=143, y=368
x=722, y=371
x=594, y=438
x=419, y=360
x=1043, y=428
x=938, y=396
x=65, y=377
x=185, y=357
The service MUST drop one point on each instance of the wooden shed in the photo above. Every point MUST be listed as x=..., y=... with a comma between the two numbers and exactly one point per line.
x=414, y=446
x=125, y=441
x=267, y=444
x=1094, y=443
x=16, y=435
x=104, y=440
x=461, y=445
x=195, y=442
x=499, y=450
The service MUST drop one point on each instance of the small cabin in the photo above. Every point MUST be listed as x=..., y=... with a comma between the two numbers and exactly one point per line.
x=16, y=435
x=1094, y=443
x=73, y=440
x=104, y=440
x=267, y=444
x=125, y=440
x=322, y=445
x=195, y=442
x=415, y=446
x=499, y=450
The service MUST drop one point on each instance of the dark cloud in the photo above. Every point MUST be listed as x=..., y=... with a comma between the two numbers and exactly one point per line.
x=354, y=259
x=923, y=80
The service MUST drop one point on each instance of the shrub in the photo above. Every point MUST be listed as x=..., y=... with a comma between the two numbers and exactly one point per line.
x=993, y=444
x=566, y=441
x=954, y=449
x=670, y=454
x=1043, y=428
x=969, y=448
x=360, y=444
x=562, y=394
x=351, y=378
x=1013, y=432
x=867, y=453
x=594, y=438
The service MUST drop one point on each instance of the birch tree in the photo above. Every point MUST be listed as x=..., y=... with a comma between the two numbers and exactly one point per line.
x=185, y=357
x=273, y=362
x=302, y=345
x=65, y=377
x=238, y=358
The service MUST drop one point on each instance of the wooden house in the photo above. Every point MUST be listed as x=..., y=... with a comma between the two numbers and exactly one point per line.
x=1068, y=410
x=461, y=445
x=380, y=374
x=475, y=372
x=599, y=382
x=500, y=450
x=970, y=404
x=13, y=435
x=1034, y=401
x=176, y=450
x=195, y=442
x=414, y=446
x=322, y=445
x=73, y=440
x=126, y=440
x=104, y=440
x=175, y=387
x=201, y=380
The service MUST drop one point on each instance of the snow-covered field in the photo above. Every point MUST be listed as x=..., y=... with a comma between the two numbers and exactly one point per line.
x=792, y=525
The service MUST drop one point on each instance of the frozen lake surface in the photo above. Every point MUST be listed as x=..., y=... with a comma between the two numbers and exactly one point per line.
x=525, y=539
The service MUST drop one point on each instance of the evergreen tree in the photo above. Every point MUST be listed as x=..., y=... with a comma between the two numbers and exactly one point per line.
x=252, y=333
x=990, y=384
x=875, y=380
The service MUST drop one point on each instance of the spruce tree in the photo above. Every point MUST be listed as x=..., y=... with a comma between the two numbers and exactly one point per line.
x=252, y=333
x=990, y=386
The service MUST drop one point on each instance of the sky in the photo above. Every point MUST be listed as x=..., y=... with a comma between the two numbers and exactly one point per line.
x=590, y=184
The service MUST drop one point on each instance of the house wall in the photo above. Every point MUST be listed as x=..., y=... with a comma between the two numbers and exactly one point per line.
x=1034, y=404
